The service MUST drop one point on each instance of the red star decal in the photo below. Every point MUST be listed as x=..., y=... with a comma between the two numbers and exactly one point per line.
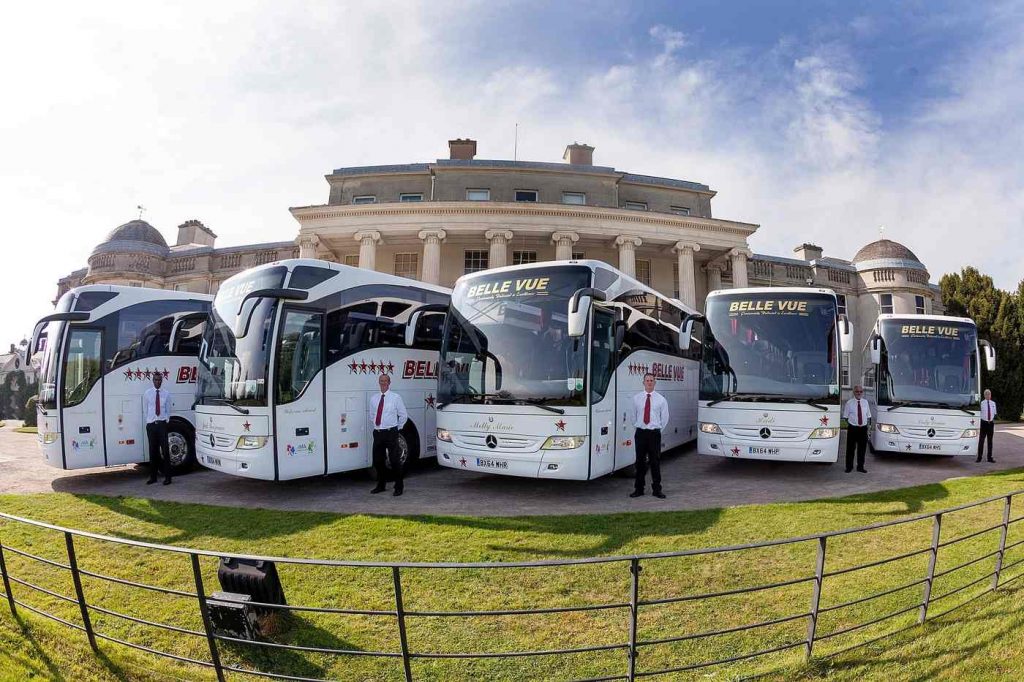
x=560, y=425
x=735, y=451
x=429, y=400
x=128, y=375
x=373, y=367
x=462, y=461
x=391, y=368
x=972, y=422
x=824, y=421
x=353, y=367
x=362, y=367
x=167, y=374
x=148, y=374
x=246, y=425
x=138, y=374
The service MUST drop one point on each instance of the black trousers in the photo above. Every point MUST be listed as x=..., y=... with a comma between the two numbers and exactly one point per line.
x=159, y=451
x=985, y=434
x=385, y=450
x=856, y=437
x=648, y=455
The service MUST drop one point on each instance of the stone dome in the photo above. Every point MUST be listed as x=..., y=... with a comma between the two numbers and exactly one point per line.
x=136, y=231
x=884, y=248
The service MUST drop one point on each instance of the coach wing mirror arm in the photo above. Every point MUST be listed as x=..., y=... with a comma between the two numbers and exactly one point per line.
x=990, y=355
x=176, y=329
x=579, y=310
x=686, y=329
x=845, y=334
x=875, y=349
x=283, y=294
x=54, y=317
x=414, y=319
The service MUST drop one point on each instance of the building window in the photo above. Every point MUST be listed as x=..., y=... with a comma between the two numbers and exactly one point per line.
x=407, y=265
x=577, y=198
x=476, y=261
x=643, y=272
x=844, y=376
x=364, y=199
x=680, y=210
x=524, y=257
x=478, y=195
x=578, y=255
x=352, y=259
x=635, y=205
x=410, y=197
x=841, y=303
x=885, y=304
x=919, y=305
x=526, y=195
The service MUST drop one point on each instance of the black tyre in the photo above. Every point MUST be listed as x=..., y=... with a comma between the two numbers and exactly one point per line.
x=181, y=448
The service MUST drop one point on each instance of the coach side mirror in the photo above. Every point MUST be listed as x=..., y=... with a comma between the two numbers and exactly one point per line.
x=686, y=330
x=875, y=348
x=845, y=334
x=579, y=310
x=410, y=328
x=990, y=355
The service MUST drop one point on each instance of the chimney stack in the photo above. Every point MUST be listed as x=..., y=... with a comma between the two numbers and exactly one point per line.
x=194, y=232
x=579, y=154
x=808, y=252
x=463, y=150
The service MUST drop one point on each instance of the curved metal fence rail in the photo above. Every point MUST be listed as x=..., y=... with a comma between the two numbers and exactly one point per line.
x=818, y=577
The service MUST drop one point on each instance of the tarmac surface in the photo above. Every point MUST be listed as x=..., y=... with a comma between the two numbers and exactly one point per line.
x=690, y=481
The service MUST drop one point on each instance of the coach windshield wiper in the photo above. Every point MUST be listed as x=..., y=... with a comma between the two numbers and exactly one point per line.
x=225, y=401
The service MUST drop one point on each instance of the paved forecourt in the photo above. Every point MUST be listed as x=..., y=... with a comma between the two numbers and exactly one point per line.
x=690, y=481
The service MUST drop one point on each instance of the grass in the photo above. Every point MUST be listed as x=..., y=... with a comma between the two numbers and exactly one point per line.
x=26, y=429
x=982, y=641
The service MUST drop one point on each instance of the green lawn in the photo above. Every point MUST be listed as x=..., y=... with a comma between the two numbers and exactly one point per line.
x=982, y=641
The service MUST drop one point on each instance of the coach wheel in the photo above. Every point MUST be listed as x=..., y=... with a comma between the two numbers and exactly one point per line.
x=407, y=452
x=180, y=449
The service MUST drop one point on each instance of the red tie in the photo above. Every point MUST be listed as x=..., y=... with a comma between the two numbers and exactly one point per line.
x=860, y=415
x=380, y=409
x=647, y=410
x=158, y=403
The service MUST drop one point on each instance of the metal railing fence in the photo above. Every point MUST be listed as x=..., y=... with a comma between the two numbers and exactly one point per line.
x=818, y=577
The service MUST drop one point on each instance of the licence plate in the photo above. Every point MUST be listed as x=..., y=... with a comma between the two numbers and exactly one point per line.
x=929, y=446
x=488, y=463
x=754, y=450
x=213, y=460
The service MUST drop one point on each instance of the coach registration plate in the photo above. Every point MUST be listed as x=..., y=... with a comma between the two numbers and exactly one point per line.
x=756, y=450
x=215, y=461
x=488, y=463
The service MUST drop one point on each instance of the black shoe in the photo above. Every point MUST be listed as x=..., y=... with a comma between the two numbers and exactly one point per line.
x=637, y=493
x=863, y=471
x=378, y=489
x=978, y=461
x=398, y=492
x=849, y=470
x=660, y=495
x=167, y=481
x=153, y=480
x=991, y=461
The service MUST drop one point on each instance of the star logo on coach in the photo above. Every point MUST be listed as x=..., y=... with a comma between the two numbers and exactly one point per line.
x=972, y=422
x=138, y=374
x=735, y=450
x=462, y=461
x=353, y=367
x=246, y=425
x=167, y=374
x=373, y=367
x=429, y=400
x=908, y=446
x=391, y=368
x=128, y=375
x=560, y=425
x=147, y=374
x=362, y=367
x=824, y=421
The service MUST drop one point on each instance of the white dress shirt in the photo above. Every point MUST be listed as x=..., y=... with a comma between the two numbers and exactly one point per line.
x=850, y=412
x=988, y=410
x=659, y=410
x=149, y=405
x=394, y=415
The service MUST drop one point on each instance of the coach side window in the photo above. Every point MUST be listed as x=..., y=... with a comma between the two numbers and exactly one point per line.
x=298, y=353
x=144, y=330
x=348, y=329
x=428, y=331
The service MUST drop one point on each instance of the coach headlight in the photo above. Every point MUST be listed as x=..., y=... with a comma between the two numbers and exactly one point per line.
x=251, y=442
x=445, y=435
x=708, y=427
x=825, y=432
x=563, y=442
x=48, y=437
x=969, y=433
x=888, y=428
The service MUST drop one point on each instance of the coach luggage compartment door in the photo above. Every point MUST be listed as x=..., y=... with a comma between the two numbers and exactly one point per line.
x=82, y=399
x=299, y=395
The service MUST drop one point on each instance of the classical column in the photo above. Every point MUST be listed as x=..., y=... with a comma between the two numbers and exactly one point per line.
x=739, y=267
x=307, y=245
x=432, y=255
x=368, y=240
x=687, y=283
x=563, y=242
x=714, y=277
x=499, y=240
x=627, y=253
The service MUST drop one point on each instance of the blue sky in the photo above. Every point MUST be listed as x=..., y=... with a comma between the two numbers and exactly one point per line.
x=819, y=121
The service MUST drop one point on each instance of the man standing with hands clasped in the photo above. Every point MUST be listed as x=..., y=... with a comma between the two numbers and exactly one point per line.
x=857, y=415
x=156, y=404
x=988, y=424
x=389, y=418
x=650, y=416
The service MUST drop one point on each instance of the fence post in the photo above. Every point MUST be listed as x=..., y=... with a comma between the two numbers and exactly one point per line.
x=400, y=612
x=634, y=606
x=819, y=577
x=197, y=575
x=1002, y=542
x=7, y=582
x=69, y=541
x=932, y=559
